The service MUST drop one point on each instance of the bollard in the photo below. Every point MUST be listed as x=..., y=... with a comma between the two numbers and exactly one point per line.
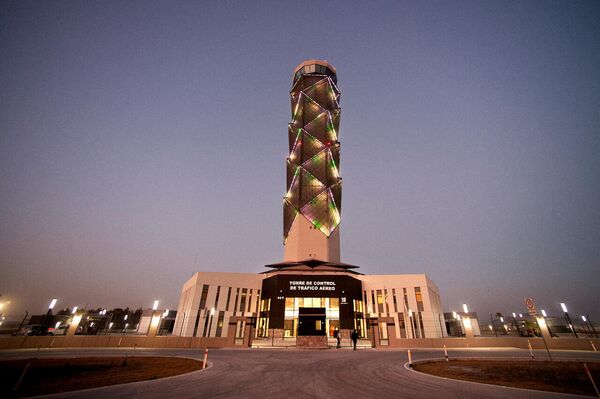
x=530, y=350
x=445, y=352
x=409, y=359
x=205, y=358
x=593, y=346
x=591, y=379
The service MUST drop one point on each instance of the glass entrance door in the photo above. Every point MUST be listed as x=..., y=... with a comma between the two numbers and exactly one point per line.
x=311, y=321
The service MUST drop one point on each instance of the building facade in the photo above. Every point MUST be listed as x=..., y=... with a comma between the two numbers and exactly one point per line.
x=311, y=293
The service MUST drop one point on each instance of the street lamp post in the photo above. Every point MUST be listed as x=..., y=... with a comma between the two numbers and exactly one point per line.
x=457, y=324
x=591, y=325
x=154, y=307
x=547, y=322
x=586, y=329
x=467, y=322
x=568, y=319
x=48, y=313
x=514, y=316
x=492, y=326
x=160, y=325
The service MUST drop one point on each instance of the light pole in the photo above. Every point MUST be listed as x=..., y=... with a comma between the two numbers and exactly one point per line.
x=547, y=322
x=541, y=322
x=514, y=316
x=164, y=315
x=48, y=313
x=568, y=319
x=457, y=323
x=467, y=321
x=591, y=325
x=492, y=326
x=154, y=307
x=585, y=327
x=503, y=325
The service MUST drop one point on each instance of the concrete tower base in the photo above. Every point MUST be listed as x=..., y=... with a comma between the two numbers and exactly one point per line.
x=305, y=241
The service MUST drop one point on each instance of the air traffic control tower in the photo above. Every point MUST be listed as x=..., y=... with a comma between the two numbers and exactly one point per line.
x=312, y=203
x=310, y=296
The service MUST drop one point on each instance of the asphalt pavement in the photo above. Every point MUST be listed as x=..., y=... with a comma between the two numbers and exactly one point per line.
x=294, y=373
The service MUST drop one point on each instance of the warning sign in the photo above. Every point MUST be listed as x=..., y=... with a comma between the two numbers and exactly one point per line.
x=530, y=306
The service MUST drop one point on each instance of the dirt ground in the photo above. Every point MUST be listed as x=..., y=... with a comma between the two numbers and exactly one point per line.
x=564, y=377
x=46, y=376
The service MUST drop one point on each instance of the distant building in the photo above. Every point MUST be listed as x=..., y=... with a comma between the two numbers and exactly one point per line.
x=311, y=293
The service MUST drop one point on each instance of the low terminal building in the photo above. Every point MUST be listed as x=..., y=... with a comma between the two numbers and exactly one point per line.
x=310, y=298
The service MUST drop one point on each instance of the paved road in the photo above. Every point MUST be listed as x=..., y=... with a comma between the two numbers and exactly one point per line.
x=291, y=373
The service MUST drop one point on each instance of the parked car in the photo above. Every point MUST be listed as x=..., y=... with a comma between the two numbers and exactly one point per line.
x=34, y=329
x=62, y=330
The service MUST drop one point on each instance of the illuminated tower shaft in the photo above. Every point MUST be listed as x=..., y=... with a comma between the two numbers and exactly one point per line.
x=312, y=204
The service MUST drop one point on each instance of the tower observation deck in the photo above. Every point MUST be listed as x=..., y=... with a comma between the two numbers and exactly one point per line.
x=312, y=203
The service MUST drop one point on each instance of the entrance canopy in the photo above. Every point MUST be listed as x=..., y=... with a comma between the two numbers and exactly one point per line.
x=312, y=264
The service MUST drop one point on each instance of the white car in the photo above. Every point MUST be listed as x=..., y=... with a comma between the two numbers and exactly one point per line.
x=62, y=330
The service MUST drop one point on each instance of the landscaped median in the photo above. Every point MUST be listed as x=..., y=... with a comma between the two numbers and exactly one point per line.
x=44, y=376
x=561, y=376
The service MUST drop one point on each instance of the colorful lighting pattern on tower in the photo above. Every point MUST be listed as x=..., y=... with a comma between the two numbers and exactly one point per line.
x=313, y=180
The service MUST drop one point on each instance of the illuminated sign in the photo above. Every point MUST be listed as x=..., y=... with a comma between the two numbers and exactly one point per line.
x=311, y=285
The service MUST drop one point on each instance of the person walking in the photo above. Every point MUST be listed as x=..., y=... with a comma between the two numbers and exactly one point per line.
x=354, y=337
x=337, y=335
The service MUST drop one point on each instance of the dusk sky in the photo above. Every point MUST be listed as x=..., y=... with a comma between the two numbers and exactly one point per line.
x=141, y=142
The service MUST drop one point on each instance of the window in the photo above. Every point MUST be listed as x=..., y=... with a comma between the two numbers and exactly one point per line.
x=387, y=305
x=237, y=296
x=419, y=298
x=395, y=300
x=243, y=301
x=205, y=330
x=217, y=298
x=373, y=308
x=264, y=305
x=402, y=325
x=249, y=299
x=220, y=324
x=383, y=333
x=228, y=298
x=288, y=328
x=379, y=301
x=289, y=303
x=203, y=297
x=334, y=303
